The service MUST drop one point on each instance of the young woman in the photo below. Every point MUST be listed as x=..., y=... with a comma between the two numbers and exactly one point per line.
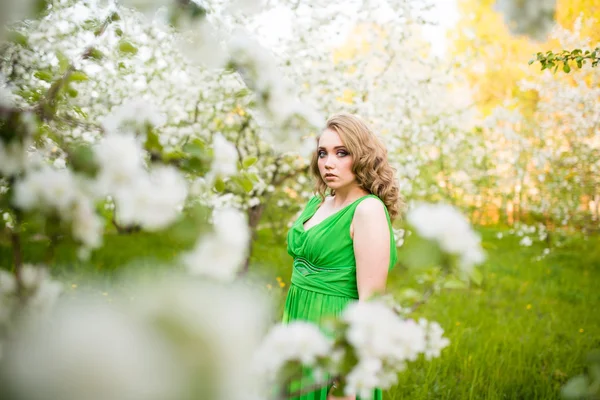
x=342, y=243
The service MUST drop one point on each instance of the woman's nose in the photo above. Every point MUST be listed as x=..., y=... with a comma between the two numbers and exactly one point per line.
x=329, y=163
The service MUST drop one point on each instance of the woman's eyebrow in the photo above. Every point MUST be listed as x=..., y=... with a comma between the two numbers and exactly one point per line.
x=335, y=148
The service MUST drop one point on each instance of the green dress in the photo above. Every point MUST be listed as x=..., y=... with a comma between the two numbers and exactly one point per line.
x=324, y=271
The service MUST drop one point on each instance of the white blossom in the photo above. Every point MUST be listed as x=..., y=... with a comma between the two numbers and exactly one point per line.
x=435, y=340
x=7, y=98
x=384, y=343
x=297, y=341
x=88, y=226
x=153, y=200
x=121, y=161
x=133, y=114
x=220, y=254
x=211, y=318
x=363, y=378
x=56, y=359
x=13, y=157
x=46, y=188
x=450, y=229
x=225, y=158
x=526, y=241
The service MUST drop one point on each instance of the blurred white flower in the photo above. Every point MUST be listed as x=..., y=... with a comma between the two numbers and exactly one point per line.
x=46, y=188
x=8, y=287
x=384, y=342
x=526, y=241
x=121, y=161
x=93, y=352
x=225, y=157
x=13, y=157
x=131, y=116
x=399, y=237
x=42, y=290
x=297, y=341
x=153, y=199
x=220, y=254
x=210, y=319
x=202, y=43
x=451, y=230
x=363, y=378
x=376, y=331
x=246, y=6
x=7, y=98
x=88, y=226
x=435, y=340
x=59, y=163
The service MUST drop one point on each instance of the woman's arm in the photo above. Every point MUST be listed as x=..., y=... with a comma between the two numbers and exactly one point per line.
x=371, y=235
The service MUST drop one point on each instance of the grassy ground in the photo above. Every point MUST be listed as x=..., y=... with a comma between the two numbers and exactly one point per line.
x=519, y=336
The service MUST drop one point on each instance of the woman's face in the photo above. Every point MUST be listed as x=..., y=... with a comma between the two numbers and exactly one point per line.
x=334, y=161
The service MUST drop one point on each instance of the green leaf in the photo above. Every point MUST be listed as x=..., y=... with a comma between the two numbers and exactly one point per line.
x=78, y=76
x=81, y=158
x=455, y=284
x=196, y=147
x=152, y=141
x=43, y=75
x=79, y=111
x=96, y=54
x=72, y=92
x=576, y=388
x=252, y=177
x=219, y=185
x=566, y=67
x=126, y=47
x=63, y=62
x=195, y=165
x=245, y=183
x=476, y=277
x=249, y=161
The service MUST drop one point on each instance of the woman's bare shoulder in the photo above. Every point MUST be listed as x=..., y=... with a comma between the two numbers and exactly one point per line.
x=370, y=207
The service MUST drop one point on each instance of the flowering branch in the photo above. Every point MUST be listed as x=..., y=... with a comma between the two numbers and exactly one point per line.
x=46, y=107
x=551, y=60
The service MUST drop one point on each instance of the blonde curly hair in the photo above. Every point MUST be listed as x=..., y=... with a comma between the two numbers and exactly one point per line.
x=370, y=164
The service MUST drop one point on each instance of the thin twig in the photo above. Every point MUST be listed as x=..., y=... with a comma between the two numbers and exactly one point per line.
x=52, y=94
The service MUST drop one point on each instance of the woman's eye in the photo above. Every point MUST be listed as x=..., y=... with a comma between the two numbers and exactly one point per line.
x=342, y=154
x=321, y=154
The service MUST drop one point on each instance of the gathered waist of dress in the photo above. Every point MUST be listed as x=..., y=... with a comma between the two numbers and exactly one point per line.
x=334, y=281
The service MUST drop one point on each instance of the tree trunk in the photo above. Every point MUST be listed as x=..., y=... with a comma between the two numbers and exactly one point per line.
x=254, y=215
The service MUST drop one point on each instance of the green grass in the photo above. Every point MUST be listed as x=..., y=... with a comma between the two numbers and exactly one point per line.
x=520, y=335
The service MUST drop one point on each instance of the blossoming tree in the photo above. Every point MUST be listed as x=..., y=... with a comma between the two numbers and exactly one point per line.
x=96, y=120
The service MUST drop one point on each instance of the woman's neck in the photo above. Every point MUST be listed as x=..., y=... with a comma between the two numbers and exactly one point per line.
x=345, y=196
